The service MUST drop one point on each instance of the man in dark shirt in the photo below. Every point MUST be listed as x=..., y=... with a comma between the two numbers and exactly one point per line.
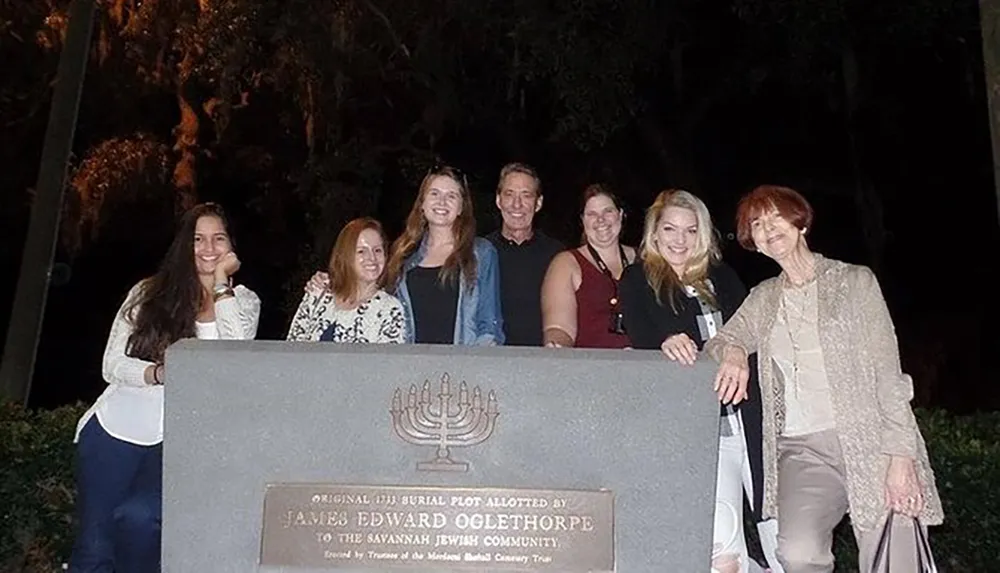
x=524, y=252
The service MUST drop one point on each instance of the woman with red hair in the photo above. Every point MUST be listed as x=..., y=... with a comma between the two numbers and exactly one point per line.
x=347, y=304
x=839, y=435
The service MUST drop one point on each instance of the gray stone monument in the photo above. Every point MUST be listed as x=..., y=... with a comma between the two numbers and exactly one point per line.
x=349, y=458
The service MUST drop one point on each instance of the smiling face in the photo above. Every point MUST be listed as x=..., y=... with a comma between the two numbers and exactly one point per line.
x=211, y=243
x=518, y=201
x=369, y=259
x=602, y=221
x=442, y=202
x=676, y=237
x=774, y=235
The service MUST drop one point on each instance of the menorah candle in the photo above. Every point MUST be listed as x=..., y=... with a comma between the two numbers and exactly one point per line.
x=476, y=399
x=397, y=402
x=425, y=394
x=463, y=394
x=491, y=404
x=411, y=399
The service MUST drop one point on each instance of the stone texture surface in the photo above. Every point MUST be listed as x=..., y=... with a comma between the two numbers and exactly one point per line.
x=239, y=415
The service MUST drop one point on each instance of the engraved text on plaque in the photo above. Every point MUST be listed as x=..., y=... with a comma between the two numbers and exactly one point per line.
x=474, y=528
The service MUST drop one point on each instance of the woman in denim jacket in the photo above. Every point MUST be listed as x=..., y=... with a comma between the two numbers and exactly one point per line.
x=446, y=277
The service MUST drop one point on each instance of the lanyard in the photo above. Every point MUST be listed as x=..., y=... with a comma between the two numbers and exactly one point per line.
x=607, y=272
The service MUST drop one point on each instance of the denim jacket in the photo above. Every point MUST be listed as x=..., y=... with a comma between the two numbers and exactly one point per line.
x=478, y=321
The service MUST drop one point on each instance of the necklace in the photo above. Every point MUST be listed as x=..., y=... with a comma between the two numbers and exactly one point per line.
x=795, y=327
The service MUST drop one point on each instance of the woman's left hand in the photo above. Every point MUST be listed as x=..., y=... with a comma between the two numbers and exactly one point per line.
x=903, y=493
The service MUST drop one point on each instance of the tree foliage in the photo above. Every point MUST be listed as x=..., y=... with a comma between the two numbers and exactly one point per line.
x=312, y=108
x=335, y=92
x=299, y=115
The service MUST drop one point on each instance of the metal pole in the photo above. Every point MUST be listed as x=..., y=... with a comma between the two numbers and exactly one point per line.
x=28, y=311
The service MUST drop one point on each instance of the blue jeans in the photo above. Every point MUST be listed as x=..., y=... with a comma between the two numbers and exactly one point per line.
x=119, y=504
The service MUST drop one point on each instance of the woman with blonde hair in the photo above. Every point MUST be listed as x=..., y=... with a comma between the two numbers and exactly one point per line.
x=446, y=277
x=675, y=301
x=347, y=303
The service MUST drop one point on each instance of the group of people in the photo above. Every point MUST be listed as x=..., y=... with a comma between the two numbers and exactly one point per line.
x=814, y=418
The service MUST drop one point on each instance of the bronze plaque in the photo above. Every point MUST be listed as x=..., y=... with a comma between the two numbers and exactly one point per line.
x=454, y=528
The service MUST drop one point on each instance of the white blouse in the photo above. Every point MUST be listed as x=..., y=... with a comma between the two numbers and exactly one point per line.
x=795, y=347
x=131, y=410
x=379, y=320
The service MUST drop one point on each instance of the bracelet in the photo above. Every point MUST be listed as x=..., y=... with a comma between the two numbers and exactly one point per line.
x=220, y=290
x=222, y=293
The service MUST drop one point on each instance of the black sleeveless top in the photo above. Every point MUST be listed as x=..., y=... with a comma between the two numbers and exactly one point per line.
x=434, y=306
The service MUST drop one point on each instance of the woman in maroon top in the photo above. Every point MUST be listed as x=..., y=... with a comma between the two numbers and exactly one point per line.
x=580, y=304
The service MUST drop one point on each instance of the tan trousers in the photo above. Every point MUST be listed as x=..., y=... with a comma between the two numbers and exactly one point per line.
x=812, y=500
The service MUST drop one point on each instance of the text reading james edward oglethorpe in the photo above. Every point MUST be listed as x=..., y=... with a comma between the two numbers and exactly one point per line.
x=310, y=525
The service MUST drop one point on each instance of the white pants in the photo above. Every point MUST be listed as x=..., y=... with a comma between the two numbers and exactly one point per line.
x=732, y=479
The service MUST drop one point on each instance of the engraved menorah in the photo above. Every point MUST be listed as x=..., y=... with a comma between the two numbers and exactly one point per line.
x=427, y=420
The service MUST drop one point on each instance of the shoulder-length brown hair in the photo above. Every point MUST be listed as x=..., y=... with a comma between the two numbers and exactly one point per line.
x=343, y=276
x=463, y=259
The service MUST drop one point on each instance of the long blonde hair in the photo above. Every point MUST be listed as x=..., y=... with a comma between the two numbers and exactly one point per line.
x=659, y=274
x=462, y=259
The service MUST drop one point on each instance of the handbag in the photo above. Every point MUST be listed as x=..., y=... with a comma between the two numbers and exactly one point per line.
x=925, y=559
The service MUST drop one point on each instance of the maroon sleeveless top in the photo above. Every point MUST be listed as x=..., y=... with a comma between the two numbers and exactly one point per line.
x=593, y=308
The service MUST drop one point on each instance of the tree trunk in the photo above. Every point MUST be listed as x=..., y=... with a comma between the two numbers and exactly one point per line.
x=866, y=199
x=989, y=14
x=185, y=172
x=186, y=134
x=28, y=311
x=309, y=111
x=673, y=149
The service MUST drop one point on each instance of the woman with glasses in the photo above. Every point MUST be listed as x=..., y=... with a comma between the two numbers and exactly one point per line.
x=445, y=276
x=580, y=306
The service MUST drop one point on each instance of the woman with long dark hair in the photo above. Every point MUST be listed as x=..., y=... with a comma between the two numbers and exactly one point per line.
x=119, y=452
x=445, y=276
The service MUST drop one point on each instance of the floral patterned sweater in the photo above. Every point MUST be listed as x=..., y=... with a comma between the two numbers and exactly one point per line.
x=380, y=320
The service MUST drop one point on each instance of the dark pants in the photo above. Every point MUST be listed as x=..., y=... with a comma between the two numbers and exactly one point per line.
x=119, y=501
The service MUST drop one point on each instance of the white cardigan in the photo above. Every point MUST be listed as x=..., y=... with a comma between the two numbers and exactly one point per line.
x=131, y=410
